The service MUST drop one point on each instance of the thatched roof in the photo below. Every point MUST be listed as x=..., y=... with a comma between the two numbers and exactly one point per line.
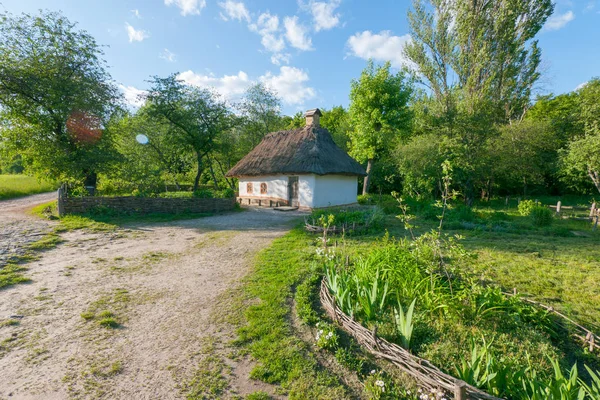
x=308, y=150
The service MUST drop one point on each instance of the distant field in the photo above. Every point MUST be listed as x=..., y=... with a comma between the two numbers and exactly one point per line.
x=12, y=186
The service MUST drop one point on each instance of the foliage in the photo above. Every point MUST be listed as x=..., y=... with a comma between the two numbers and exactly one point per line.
x=541, y=216
x=327, y=337
x=55, y=96
x=195, y=116
x=379, y=112
x=526, y=206
x=404, y=323
x=371, y=218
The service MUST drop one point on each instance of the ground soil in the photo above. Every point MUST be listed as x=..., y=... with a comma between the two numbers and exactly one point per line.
x=160, y=281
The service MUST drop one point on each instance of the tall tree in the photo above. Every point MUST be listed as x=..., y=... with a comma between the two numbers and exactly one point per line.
x=196, y=116
x=56, y=94
x=261, y=111
x=379, y=113
x=480, y=61
x=337, y=122
x=582, y=156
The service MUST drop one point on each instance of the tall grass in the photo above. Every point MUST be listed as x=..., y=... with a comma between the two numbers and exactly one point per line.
x=12, y=186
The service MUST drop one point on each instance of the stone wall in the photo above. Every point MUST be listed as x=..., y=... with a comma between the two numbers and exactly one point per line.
x=143, y=205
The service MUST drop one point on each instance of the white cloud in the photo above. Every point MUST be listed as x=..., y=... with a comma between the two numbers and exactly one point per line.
x=290, y=85
x=132, y=95
x=581, y=85
x=381, y=46
x=267, y=26
x=136, y=13
x=188, y=7
x=136, y=35
x=167, y=55
x=296, y=34
x=558, y=21
x=231, y=87
x=324, y=14
x=280, y=58
x=234, y=10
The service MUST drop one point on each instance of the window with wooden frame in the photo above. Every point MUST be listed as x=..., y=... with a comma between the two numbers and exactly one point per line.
x=249, y=187
x=263, y=188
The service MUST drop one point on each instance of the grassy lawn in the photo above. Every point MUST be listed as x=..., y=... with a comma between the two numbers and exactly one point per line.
x=12, y=186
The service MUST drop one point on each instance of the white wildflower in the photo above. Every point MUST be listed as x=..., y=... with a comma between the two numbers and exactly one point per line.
x=372, y=371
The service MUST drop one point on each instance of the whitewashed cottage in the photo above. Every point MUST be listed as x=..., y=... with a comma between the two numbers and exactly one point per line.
x=302, y=168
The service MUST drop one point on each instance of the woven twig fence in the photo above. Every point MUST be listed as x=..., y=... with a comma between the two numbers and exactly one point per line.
x=428, y=376
x=589, y=338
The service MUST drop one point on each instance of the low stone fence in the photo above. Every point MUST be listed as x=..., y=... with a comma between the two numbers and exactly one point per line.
x=142, y=205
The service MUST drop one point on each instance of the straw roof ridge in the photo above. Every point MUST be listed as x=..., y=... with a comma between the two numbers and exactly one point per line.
x=307, y=150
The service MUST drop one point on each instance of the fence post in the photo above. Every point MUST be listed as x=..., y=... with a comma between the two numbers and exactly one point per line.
x=61, y=207
x=506, y=201
x=558, y=207
x=593, y=210
x=460, y=390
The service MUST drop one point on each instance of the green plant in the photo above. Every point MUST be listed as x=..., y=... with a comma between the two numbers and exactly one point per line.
x=372, y=296
x=525, y=207
x=541, y=216
x=404, y=323
x=327, y=337
x=204, y=194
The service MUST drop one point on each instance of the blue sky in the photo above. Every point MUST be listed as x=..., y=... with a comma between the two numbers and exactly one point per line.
x=307, y=50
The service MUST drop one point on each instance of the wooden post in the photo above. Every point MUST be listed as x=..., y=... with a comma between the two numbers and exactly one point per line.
x=515, y=291
x=347, y=261
x=61, y=208
x=460, y=390
x=518, y=200
x=506, y=201
x=593, y=210
x=374, y=336
x=558, y=207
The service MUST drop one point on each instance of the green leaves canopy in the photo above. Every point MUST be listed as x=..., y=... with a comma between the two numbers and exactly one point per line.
x=55, y=96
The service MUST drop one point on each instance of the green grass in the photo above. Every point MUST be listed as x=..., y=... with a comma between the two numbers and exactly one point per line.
x=12, y=186
x=267, y=334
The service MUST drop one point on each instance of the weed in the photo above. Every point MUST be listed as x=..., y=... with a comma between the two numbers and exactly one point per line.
x=9, y=322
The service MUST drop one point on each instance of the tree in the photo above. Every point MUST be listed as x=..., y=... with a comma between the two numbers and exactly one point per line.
x=524, y=153
x=260, y=109
x=379, y=113
x=196, y=116
x=582, y=156
x=337, y=122
x=480, y=61
x=56, y=95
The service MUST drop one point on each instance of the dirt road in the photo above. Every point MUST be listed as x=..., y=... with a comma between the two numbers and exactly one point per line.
x=156, y=285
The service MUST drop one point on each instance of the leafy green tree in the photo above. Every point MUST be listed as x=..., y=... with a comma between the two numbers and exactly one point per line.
x=561, y=112
x=479, y=60
x=56, y=95
x=296, y=121
x=196, y=117
x=524, y=154
x=337, y=122
x=379, y=113
x=581, y=159
x=261, y=113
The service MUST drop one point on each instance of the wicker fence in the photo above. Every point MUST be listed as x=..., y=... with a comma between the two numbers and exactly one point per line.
x=428, y=376
x=142, y=205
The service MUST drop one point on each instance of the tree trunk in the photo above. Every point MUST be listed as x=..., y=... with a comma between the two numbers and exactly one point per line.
x=198, y=173
x=367, y=180
x=91, y=179
x=230, y=183
x=212, y=174
x=595, y=178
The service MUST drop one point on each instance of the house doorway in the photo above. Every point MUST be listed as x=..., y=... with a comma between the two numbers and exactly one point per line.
x=293, y=191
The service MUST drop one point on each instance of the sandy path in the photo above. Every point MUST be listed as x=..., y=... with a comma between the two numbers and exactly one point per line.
x=160, y=282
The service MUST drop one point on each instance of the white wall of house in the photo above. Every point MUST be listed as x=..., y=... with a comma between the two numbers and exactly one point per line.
x=314, y=191
x=276, y=186
x=334, y=190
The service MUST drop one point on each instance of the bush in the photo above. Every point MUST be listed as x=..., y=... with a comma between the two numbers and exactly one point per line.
x=204, y=194
x=386, y=202
x=541, y=216
x=224, y=194
x=372, y=217
x=526, y=206
x=176, y=195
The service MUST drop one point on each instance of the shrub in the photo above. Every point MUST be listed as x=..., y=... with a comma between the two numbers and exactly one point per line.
x=204, y=194
x=176, y=195
x=526, y=206
x=541, y=216
x=372, y=217
x=225, y=193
